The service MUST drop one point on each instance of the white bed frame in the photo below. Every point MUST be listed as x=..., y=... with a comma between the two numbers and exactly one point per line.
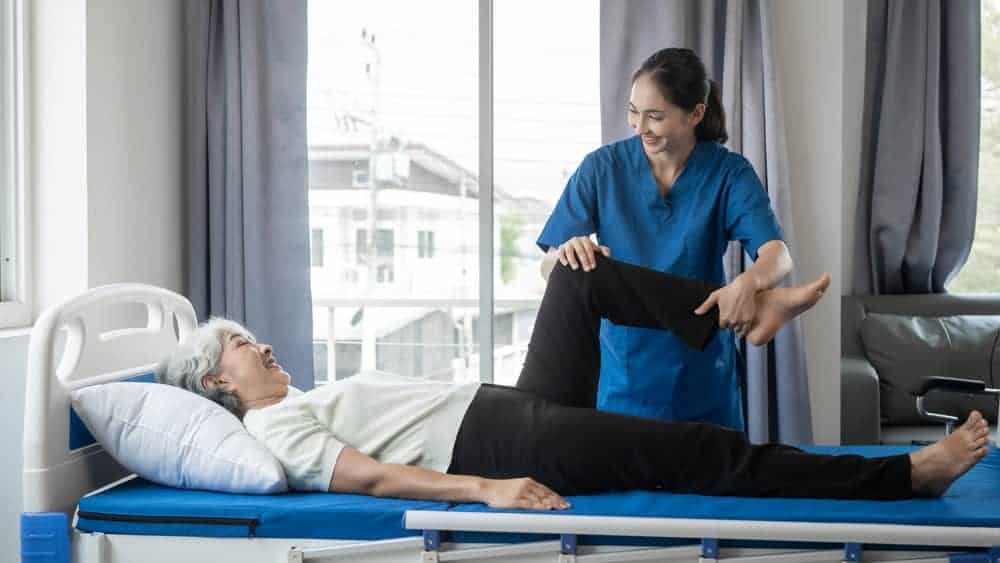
x=99, y=345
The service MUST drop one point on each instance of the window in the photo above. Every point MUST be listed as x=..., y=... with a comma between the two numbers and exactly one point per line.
x=384, y=245
x=981, y=273
x=15, y=305
x=361, y=246
x=385, y=273
x=425, y=244
x=359, y=179
x=399, y=144
x=319, y=361
x=547, y=118
x=316, y=248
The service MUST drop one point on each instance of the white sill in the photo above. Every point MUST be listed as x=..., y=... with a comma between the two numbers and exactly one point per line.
x=15, y=332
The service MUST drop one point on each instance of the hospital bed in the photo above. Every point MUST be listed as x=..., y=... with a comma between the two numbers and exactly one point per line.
x=80, y=505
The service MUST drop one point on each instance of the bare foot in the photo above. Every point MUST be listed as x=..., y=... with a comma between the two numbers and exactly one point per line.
x=937, y=466
x=777, y=306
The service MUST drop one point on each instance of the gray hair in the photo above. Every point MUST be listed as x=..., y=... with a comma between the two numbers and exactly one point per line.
x=199, y=355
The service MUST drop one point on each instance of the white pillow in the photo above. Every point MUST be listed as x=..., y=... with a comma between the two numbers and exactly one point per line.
x=177, y=438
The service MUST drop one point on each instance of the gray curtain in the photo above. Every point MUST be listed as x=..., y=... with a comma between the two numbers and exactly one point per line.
x=247, y=208
x=733, y=38
x=916, y=212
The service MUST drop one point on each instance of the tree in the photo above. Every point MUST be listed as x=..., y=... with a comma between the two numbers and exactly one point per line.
x=510, y=231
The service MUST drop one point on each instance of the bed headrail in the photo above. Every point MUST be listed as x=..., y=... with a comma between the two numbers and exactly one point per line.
x=88, y=340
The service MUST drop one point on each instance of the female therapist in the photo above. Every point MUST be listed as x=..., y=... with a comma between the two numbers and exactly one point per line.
x=669, y=198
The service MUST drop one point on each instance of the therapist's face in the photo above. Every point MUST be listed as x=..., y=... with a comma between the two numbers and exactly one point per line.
x=250, y=370
x=662, y=125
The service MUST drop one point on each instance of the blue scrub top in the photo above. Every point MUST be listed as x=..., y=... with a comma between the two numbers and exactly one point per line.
x=717, y=198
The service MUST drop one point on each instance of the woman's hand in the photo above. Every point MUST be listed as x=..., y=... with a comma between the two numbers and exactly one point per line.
x=521, y=493
x=737, y=307
x=579, y=251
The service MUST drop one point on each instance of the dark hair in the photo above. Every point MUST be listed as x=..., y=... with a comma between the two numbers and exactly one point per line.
x=680, y=76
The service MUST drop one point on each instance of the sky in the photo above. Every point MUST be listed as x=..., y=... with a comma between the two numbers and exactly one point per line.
x=546, y=80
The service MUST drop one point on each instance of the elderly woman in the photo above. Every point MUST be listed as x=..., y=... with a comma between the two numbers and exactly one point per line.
x=386, y=435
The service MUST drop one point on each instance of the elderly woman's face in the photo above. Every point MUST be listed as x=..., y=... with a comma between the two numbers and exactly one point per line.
x=250, y=369
x=661, y=124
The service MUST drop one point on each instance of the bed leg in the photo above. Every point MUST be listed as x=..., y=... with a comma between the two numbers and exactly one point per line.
x=852, y=552
x=709, y=551
x=432, y=545
x=567, y=548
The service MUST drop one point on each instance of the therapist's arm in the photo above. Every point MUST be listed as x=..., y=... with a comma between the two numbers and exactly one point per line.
x=773, y=263
x=736, y=302
x=358, y=473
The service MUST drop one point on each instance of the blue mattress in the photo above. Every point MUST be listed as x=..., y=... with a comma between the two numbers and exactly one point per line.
x=140, y=507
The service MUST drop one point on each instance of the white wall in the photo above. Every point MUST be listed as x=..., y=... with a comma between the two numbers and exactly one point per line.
x=107, y=172
x=58, y=99
x=134, y=152
x=809, y=42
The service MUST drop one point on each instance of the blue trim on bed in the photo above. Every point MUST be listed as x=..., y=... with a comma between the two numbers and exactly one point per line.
x=79, y=436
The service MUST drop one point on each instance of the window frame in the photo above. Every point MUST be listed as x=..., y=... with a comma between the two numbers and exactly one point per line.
x=486, y=283
x=15, y=263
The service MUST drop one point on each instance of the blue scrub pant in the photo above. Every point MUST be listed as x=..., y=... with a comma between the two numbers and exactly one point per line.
x=547, y=427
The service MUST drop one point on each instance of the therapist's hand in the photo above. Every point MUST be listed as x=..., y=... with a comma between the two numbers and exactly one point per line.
x=737, y=307
x=579, y=251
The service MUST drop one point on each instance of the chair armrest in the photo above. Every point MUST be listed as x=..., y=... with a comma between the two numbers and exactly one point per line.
x=860, y=415
x=953, y=384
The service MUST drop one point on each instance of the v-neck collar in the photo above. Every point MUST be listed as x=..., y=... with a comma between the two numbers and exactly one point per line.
x=646, y=168
x=661, y=204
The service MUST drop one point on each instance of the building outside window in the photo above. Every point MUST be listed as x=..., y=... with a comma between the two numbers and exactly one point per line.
x=394, y=150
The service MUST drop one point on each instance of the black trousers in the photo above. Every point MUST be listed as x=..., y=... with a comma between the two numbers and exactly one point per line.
x=547, y=427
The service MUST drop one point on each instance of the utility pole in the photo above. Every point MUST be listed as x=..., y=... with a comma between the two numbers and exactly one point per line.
x=369, y=335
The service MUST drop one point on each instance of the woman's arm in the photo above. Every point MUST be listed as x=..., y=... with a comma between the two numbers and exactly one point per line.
x=773, y=263
x=737, y=307
x=356, y=472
